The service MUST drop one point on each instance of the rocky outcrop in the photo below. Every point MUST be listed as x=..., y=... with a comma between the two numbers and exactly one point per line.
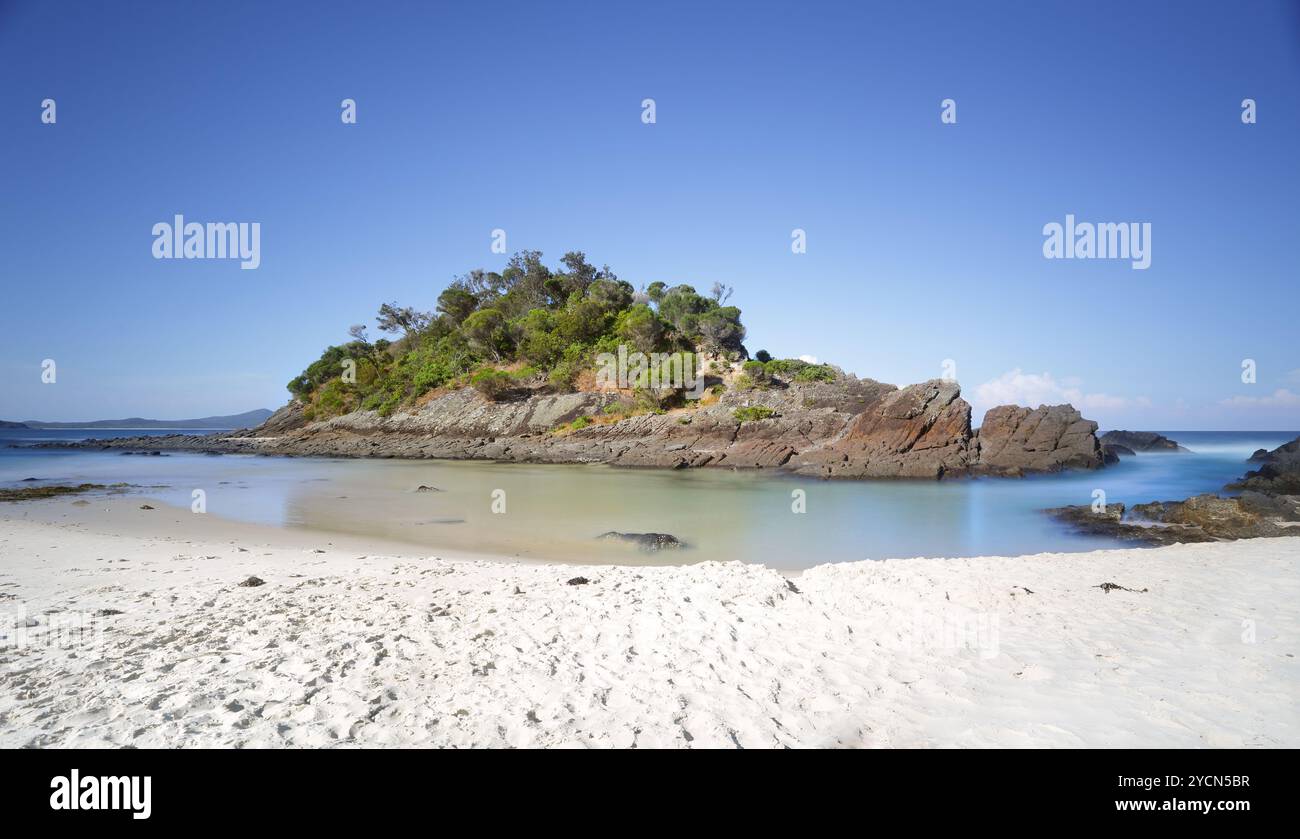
x=1278, y=474
x=1110, y=521
x=1244, y=517
x=1112, y=452
x=849, y=428
x=1140, y=441
x=1269, y=505
x=1049, y=438
x=921, y=431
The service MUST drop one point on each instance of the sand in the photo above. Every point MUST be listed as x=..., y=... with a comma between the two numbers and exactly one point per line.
x=125, y=627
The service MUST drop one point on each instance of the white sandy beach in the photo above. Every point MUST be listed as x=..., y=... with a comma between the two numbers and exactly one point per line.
x=350, y=647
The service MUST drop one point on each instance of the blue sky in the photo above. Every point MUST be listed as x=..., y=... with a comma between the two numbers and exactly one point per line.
x=924, y=239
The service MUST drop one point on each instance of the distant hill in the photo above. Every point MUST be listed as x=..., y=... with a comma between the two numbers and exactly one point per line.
x=248, y=419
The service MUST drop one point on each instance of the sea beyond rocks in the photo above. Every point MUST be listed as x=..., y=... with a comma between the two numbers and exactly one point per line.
x=847, y=428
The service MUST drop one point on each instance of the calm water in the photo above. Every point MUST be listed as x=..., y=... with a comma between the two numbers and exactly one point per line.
x=554, y=512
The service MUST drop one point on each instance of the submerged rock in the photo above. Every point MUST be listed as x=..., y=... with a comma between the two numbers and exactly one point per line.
x=646, y=541
x=33, y=493
x=252, y=582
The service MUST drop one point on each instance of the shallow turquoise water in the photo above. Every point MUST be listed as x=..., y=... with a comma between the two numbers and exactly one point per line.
x=554, y=512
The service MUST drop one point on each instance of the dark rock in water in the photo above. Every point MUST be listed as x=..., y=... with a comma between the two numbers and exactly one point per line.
x=47, y=491
x=145, y=507
x=1278, y=474
x=104, y=613
x=25, y=480
x=1141, y=441
x=1114, y=451
x=423, y=488
x=1260, y=454
x=1202, y=518
x=252, y=582
x=1082, y=513
x=578, y=581
x=646, y=541
x=1110, y=522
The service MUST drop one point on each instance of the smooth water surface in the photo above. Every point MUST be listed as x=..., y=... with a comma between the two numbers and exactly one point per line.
x=555, y=512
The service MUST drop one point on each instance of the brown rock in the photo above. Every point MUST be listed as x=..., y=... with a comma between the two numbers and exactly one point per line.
x=848, y=428
x=1015, y=440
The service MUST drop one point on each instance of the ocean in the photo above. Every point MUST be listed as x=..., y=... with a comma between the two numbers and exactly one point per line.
x=556, y=512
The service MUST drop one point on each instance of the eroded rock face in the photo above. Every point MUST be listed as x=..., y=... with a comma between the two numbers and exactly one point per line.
x=1015, y=441
x=920, y=431
x=850, y=428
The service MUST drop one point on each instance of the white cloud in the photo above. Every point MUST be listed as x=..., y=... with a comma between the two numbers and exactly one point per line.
x=1017, y=387
x=1281, y=396
x=811, y=359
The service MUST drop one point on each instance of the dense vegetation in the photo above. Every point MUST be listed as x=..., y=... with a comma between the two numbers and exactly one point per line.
x=527, y=326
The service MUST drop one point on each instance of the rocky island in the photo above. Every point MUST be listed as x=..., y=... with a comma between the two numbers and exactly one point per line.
x=846, y=428
x=509, y=368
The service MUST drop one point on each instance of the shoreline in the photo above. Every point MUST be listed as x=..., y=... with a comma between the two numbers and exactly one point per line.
x=848, y=428
x=353, y=648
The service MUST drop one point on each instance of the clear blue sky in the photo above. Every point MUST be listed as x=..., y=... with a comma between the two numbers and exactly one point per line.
x=924, y=239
